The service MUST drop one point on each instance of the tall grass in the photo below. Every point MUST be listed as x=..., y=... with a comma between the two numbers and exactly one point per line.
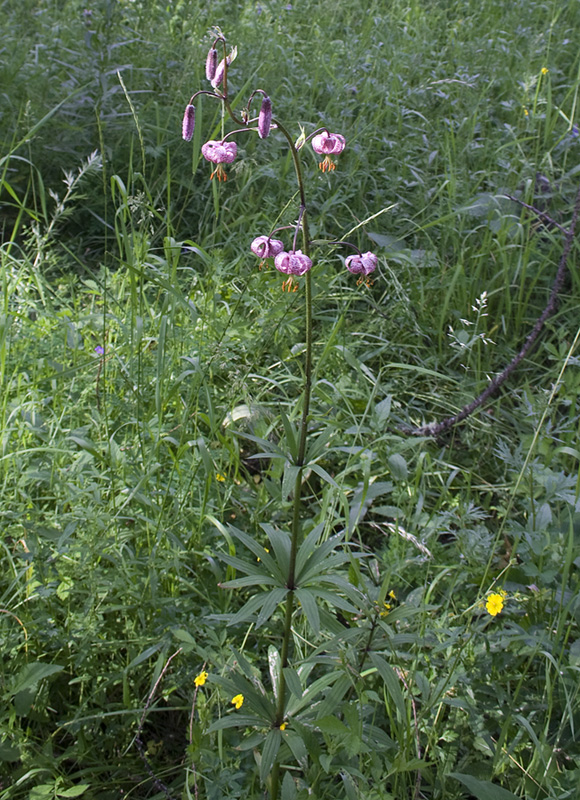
x=136, y=336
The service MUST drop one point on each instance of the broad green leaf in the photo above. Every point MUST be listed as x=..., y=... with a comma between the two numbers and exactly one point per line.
x=74, y=791
x=483, y=790
x=288, y=787
x=293, y=681
x=269, y=753
x=31, y=674
x=398, y=467
x=289, y=479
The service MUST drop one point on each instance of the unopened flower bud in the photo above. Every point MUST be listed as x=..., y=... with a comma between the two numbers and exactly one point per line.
x=365, y=263
x=220, y=71
x=265, y=117
x=211, y=64
x=188, y=125
x=264, y=247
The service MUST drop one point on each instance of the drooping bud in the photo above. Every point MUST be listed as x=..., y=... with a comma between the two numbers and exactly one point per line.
x=211, y=64
x=264, y=247
x=365, y=263
x=188, y=125
x=219, y=72
x=265, y=117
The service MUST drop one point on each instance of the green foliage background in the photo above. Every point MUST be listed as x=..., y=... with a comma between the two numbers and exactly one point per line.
x=120, y=473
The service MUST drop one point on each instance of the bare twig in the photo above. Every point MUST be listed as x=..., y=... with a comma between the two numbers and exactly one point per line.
x=541, y=214
x=436, y=428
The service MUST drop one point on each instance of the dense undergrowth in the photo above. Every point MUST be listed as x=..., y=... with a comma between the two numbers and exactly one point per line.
x=141, y=348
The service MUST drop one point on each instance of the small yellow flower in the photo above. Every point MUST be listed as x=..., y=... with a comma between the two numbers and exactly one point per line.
x=545, y=70
x=283, y=726
x=238, y=701
x=526, y=112
x=267, y=551
x=495, y=603
x=201, y=679
x=392, y=595
x=219, y=477
x=386, y=609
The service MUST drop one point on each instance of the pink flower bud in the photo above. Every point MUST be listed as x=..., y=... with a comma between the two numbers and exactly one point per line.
x=219, y=73
x=188, y=124
x=219, y=152
x=211, y=64
x=365, y=263
x=265, y=117
x=292, y=263
x=328, y=144
x=264, y=247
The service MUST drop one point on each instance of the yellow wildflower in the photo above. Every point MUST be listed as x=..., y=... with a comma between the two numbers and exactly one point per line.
x=238, y=700
x=201, y=678
x=545, y=70
x=386, y=609
x=283, y=726
x=495, y=603
x=526, y=112
x=267, y=551
x=219, y=477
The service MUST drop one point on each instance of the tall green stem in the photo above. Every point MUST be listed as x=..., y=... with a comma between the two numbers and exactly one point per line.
x=295, y=530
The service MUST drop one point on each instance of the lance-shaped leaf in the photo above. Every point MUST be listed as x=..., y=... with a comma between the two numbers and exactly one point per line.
x=265, y=603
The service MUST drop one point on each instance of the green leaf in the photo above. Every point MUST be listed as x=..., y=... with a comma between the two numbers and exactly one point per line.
x=266, y=601
x=236, y=720
x=308, y=546
x=288, y=787
x=289, y=479
x=398, y=467
x=269, y=753
x=308, y=603
x=324, y=475
x=270, y=604
x=293, y=681
x=392, y=684
x=281, y=545
x=483, y=790
x=291, y=435
x=9, y=752
x=257, y=549
x=30, y=675
x=74, y=791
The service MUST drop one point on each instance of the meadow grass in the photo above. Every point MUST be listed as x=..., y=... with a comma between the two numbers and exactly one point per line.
x=141, y=350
